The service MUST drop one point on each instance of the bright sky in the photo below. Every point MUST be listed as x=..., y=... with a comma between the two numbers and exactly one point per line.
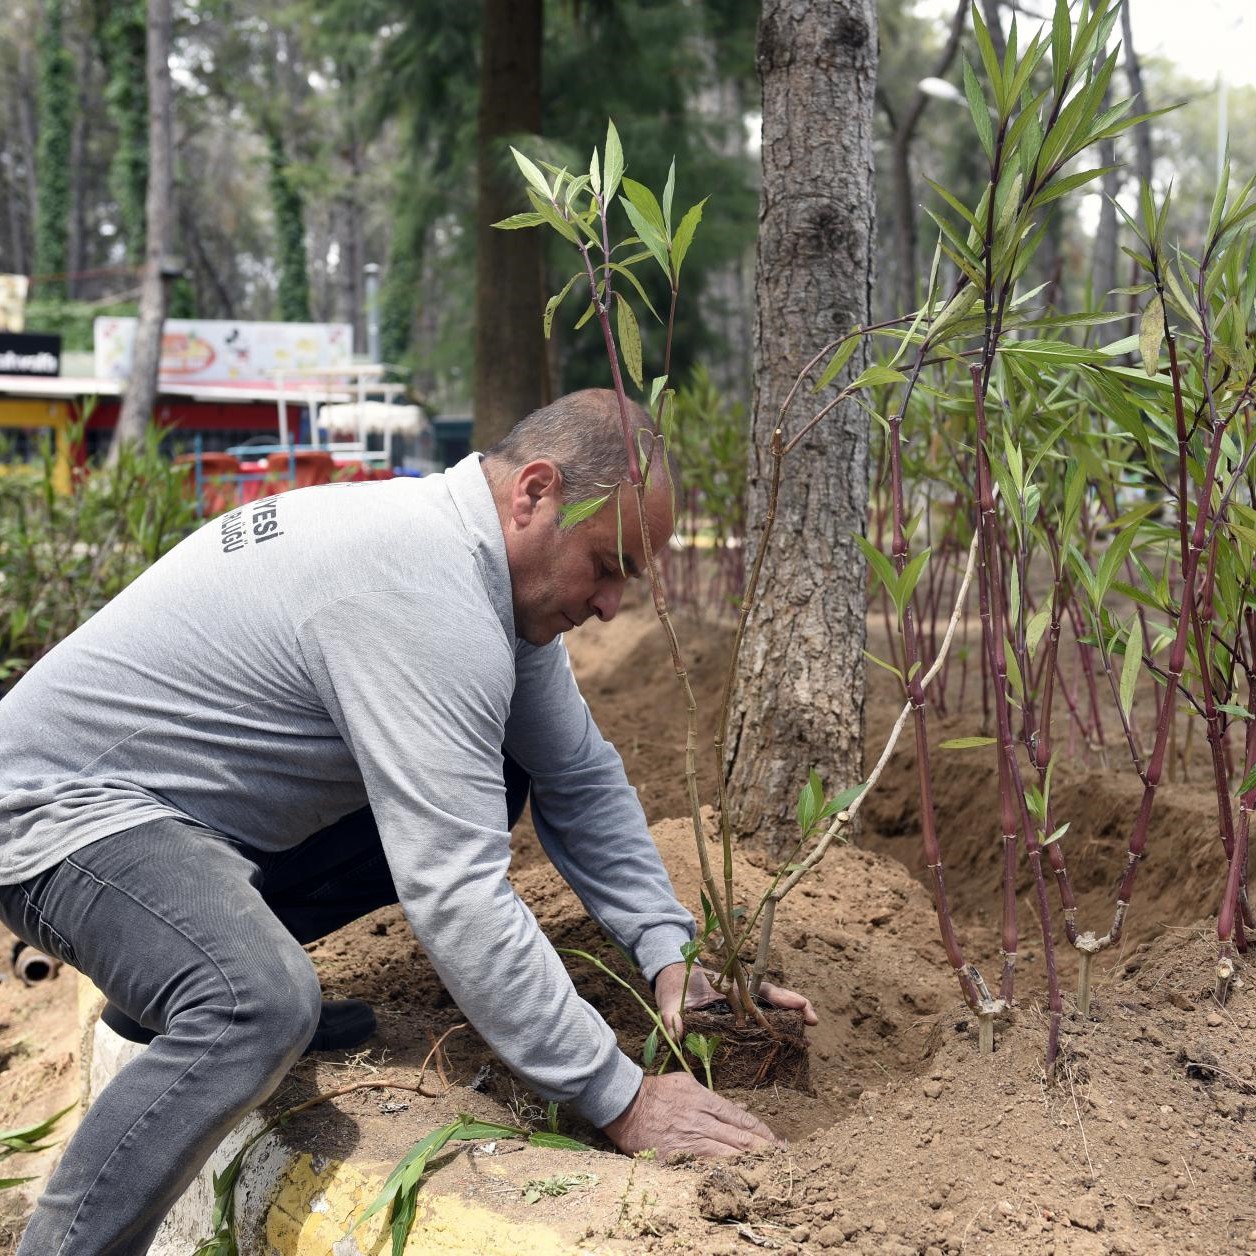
x=1203, y=37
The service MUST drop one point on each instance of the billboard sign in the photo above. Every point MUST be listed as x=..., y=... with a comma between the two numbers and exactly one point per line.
x=223, y=353
x=29, y=354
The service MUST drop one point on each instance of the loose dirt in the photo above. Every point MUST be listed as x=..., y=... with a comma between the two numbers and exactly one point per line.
x=909, y=1142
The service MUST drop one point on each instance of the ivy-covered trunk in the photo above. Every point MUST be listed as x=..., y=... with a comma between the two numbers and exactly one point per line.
x=289, y=209
x=56, y=107
x=801, y=682
x=141, y=392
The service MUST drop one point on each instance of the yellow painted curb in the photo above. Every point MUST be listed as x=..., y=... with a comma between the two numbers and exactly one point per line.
x=314, y=1208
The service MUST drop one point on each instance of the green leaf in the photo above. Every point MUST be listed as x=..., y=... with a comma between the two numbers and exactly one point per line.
x=669, y=190
x=905, y=586
x=1059, y=833
x=1249, y=782
x=644, y=200
x=842, y=801
x=966, y=743
x=471, y=1130
x=621, y=268
x=649, y=237
x=405, y=1205
x=1013, y=670
x=629, y=339
x=1150, y=334
x=988, y=56
x=876, y=375
x=651, y=1048
x=839, y=359
x=551, y=306
x=553, y=217
x=517, y=221
x=1131, y=665
x=1034, y=629
x=807, y=809
x=595, y=173
x=889, y=667
x=531, y=172
x=614, y=164
x=684, y=235
x=573, y=513
x=978, y=109
x=879, y=563
x=1233, y=708
x=558, y=1142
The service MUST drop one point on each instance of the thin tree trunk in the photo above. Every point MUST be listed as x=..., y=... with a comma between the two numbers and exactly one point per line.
x=1133, y=70
x=26, y=90
x=1104, y=262
x=510, y=368
x=904, y=132
x=141, y=392
x=801, y=682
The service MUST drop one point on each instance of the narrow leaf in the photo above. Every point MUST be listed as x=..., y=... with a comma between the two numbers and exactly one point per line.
x=1131, y=665
x=614, y=164
x=531, y=172
x=629, y=339
x=966, y=743
x=684, y=235
x=1150, y=334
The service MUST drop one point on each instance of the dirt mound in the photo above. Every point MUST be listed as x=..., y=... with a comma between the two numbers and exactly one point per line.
x=911, y=1142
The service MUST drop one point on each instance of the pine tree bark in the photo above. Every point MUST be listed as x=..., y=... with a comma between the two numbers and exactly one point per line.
x=510, y=376
x=801, y=678
x=141, y=392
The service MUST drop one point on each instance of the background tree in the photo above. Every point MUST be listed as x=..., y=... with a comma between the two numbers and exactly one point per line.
x=510, y=375
x=56, y=111
x=121, y=43
x=141, y=392
x=802, y=674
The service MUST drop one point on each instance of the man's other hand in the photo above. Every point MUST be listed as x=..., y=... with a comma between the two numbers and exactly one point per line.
x=674, y=1113
x=671, y=980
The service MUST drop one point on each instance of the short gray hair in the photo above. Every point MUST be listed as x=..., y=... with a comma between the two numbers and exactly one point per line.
x=582, y=433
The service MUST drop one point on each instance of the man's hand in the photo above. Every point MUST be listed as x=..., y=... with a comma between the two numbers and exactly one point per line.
x=674, y=1113
x=671, y=980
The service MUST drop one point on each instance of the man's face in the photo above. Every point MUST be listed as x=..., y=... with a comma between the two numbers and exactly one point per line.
x=560, y=577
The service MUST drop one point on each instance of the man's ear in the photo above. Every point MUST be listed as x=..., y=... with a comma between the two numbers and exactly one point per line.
x=536, y=487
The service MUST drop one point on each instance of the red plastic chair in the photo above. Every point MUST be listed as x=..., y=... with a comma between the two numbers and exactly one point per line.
x=217, y=492
x=311, y=466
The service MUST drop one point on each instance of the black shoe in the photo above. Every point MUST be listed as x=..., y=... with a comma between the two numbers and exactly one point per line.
x=343, y=1023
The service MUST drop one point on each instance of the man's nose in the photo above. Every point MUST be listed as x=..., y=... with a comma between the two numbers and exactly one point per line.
x=605, y=602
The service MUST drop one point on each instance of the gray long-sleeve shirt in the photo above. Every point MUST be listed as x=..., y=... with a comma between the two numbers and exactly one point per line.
x=307, y=654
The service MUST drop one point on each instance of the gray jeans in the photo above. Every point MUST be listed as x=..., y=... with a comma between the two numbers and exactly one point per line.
x=199, y=939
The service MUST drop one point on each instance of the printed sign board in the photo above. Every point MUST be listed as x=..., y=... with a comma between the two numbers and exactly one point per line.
x=29, y=354
x=224, y=353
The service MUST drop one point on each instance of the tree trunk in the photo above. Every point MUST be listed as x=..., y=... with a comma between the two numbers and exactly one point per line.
x=27, y=93
x=510, y=377
x=1134, y=72
x=801, y=679
x=1103, y=276
x=56, y=104
x=141, y=392
x=904, y=194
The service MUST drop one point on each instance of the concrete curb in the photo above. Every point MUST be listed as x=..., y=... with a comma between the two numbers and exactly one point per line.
x=293, y=1201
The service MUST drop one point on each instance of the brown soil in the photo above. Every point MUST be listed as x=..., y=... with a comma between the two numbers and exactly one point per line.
x=909, y=1142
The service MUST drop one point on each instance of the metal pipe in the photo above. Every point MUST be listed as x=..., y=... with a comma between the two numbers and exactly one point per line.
x=31, y=967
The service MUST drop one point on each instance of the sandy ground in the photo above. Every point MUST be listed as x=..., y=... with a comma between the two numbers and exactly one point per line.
x=910, y=1142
